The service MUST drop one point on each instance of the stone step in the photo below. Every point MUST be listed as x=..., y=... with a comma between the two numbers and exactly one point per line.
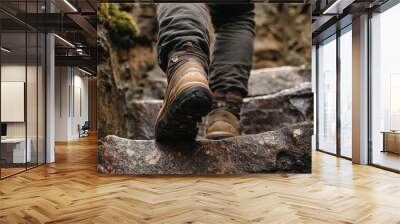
x=272, y=80
x=271, y=112
x=259, y=114
x=285, y=150
x=261, y=82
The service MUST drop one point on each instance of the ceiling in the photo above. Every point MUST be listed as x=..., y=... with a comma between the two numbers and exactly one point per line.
x=74, y=21
x=330, y=15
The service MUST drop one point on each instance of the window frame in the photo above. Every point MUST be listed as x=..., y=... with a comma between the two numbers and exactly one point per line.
x=342, y=27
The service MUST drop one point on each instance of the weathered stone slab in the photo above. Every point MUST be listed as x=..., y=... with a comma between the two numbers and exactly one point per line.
x=261, y=82
x=272, y=80
x=271, y=112
x=284, y=150
x=259, y=114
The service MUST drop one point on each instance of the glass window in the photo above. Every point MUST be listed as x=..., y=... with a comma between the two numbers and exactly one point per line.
x=327, y=95
x=22, y=89
x=385, y=88
x=15, y=151
x=346, y=92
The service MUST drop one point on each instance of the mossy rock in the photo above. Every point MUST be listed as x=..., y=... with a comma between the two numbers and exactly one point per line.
x=120, y=24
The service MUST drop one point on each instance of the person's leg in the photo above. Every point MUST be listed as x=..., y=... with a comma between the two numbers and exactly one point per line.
x=232, y=56
x=180, y=23
x=183, y=53
x=230, y=66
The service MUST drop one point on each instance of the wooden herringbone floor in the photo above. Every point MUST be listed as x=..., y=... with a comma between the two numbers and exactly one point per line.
x=70, y=191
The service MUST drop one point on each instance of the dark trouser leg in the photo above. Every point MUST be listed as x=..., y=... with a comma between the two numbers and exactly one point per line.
x=232, y=57
x=180, y=23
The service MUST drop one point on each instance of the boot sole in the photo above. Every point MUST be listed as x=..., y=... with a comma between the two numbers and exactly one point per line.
x=185, y=112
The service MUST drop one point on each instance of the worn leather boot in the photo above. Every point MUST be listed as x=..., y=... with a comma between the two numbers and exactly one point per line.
x=188, y=98
x=223, y=121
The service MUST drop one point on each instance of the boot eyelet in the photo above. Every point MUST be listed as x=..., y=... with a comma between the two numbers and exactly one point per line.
x=188, y=44
x=174, y=59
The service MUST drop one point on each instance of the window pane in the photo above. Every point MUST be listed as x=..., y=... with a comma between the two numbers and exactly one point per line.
x=385, y=88
x=346, y=94
x=327, y=96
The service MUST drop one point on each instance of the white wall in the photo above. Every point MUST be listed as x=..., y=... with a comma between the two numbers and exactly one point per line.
x=33, y=126
x=62, y=81
x=12, y=73
x=71, y=94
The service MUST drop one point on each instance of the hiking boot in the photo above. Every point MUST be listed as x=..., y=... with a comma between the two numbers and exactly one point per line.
x=222, y=124
x=223, y=121
x=188, y=98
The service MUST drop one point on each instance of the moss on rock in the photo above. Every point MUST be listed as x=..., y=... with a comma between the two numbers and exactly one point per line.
x=119, y=23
